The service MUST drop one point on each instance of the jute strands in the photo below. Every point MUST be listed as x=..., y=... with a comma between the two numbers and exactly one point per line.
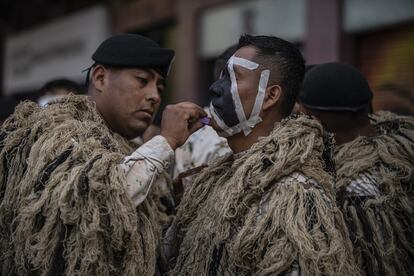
x=380, y=226
x=64, y=208
x=249, y=216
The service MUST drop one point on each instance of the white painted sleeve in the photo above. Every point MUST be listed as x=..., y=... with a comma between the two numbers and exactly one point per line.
x=143, y=167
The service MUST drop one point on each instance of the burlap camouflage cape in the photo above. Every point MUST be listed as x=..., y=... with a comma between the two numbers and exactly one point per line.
x=381, y=224
x=64, y=208
x=252, y=216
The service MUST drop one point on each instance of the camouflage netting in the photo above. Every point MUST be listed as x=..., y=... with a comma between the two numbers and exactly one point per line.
x=380, y=224
x=63, y=205
x=252, y=216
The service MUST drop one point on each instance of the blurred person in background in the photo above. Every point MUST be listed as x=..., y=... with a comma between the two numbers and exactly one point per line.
x=57, y=89
x=394, y=98
x=374, y=159
x=268, y=209
x=297, y=109
x=7, y=105
x=76, y=196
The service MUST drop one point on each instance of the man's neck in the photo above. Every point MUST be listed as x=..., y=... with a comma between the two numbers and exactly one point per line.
x=239, y=142
x=349, y=131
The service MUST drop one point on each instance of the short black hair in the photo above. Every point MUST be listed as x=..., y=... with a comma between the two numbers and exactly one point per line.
x=283, y=58
x=66, y=84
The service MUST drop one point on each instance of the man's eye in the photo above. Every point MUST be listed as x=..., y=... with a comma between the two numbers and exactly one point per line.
x=224, y=73
x=143, y=81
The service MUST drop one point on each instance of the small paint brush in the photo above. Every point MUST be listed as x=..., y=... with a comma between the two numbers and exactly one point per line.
x=206, y=121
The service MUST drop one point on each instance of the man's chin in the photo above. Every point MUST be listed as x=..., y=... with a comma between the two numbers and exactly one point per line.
x=215, y=126
x=138, y=129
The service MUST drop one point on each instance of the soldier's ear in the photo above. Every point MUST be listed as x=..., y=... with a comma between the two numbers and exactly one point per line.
x=99, y=77
x=272, y=96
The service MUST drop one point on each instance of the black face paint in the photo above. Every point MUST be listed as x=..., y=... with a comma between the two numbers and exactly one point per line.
x=222, y=101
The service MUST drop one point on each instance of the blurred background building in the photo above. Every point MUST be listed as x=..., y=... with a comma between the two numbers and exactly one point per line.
x=45, y=39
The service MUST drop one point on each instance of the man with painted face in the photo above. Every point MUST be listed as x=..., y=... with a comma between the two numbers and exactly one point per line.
x=76, y=196
x=269, y=209
x=202, y=147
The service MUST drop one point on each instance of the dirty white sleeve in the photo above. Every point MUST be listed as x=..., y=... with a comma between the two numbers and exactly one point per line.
x=143, y=167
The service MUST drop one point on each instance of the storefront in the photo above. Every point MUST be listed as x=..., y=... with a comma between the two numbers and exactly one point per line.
x=61, y=48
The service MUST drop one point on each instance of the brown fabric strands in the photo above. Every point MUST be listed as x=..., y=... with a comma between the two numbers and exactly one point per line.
x=63, y=205
x=256, y=215
x=380, y=224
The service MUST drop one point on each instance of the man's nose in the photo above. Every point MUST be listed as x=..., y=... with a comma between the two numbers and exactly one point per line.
x=153, y=95
x=216, y=89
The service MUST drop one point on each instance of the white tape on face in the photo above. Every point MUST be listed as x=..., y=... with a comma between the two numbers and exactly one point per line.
x=226, y=130
x=251, y=65
x=234, y=91
x=245, y=125
x=264, y=79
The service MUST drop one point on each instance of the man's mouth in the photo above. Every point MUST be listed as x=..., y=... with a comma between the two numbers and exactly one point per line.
x=144, y=115
x=217, y=111
x=147, y=111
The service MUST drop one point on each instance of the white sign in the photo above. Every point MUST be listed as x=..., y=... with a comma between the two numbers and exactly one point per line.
x=222, y=26
x=363, y=15
x=60, y=49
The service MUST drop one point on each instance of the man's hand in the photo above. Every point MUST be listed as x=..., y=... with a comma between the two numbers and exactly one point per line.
x=179, y=121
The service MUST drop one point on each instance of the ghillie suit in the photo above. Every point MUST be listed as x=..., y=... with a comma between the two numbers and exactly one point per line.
x=269, y=211
x=375, y=188
x=64, y=208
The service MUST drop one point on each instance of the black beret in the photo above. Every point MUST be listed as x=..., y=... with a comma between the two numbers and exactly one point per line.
x=335, y=87
x=132, y=50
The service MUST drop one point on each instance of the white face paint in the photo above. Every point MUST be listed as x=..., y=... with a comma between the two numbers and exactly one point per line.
x=245, y=125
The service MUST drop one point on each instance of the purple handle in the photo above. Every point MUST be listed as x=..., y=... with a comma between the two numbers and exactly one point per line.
x=205, y=121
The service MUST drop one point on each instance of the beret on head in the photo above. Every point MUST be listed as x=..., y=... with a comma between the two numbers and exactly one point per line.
x=335, y=87
x=132, y=50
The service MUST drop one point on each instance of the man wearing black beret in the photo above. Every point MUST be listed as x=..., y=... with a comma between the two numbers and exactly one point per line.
x=76, y=196
x=374, y=160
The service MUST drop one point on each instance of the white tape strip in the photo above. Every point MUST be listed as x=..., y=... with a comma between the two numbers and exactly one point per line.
x=226, y=130
x=264, y=79
x=234, y=92
x=244, y=124
x=244, y=63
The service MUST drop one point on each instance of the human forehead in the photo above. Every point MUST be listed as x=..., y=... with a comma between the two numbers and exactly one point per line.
x=244, y=59
x=246, y=52
x=147, y=71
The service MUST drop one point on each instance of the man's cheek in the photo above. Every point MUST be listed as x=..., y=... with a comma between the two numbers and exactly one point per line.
x=223, y=103
x=229, y=111
x=215, y=126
